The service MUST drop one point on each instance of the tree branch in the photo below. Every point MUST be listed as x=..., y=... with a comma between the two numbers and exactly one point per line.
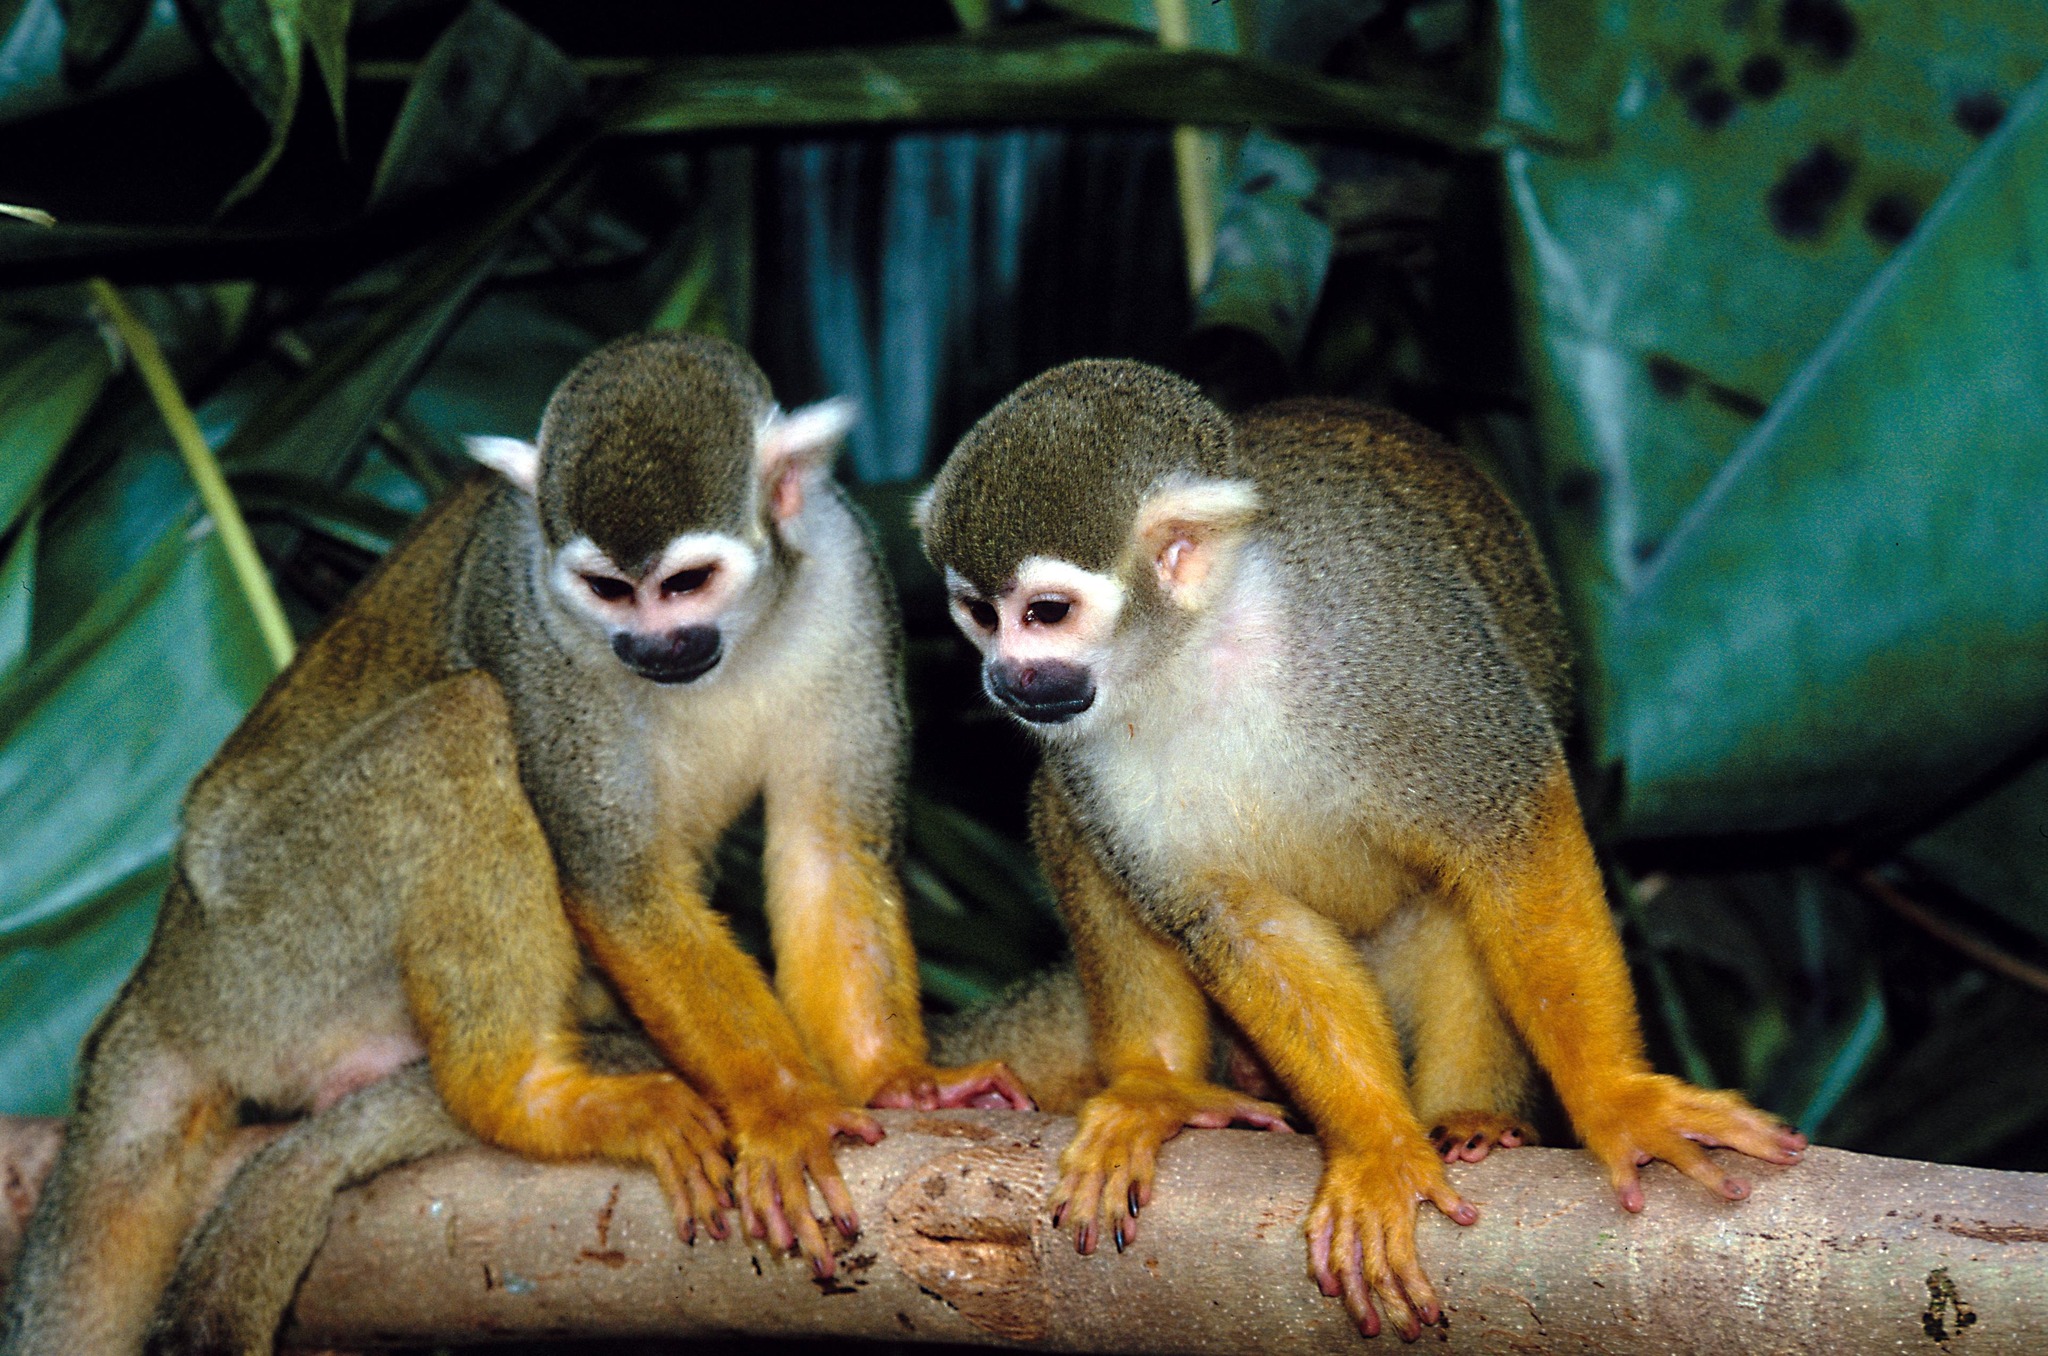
x=1845, y=1253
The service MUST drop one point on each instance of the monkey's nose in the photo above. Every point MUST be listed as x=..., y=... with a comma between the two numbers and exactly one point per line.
x=681, y=656
x=1044, y=692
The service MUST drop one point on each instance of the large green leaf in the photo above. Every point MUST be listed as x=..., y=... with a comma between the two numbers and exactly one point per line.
x=1854, y=616
x=98, y=738
x=1757, y=172
x=1996, y=852
x=96, y=32
x=489, y=88
x=1028, y=76
x=44, y=397
x=18, y=593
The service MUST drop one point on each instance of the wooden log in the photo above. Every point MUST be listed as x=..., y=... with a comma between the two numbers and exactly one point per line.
x=1846, y=1253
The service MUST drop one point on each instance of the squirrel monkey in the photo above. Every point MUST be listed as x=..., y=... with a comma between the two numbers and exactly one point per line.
x=504, y=763
x=1298, y=679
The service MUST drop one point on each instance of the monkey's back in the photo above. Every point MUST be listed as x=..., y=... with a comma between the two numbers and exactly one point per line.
x=1438, y=653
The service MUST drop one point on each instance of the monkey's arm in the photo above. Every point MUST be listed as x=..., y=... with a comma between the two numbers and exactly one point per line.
x=1152, y=1040
x=490, y=965
x=1541, y=922
x=708, y=1007
x=844, y=966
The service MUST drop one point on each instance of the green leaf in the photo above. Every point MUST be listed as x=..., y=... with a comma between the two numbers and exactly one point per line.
x=261, y=42
x=1746, y=189
x=18, y=594
x=312, y=425
x=489, y=88
x=43, y=399
x=356, y=519
x=97, y=32
x=1027, y=75
x=1211, y=25
x=326, y=27
x=1996, y=852
x=1272, y=252
x=98, y=739
x=1792, y=655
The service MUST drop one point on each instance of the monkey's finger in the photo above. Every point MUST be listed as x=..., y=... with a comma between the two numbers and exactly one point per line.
x=751, y=1218
x=1692, y=1160
x=1744, y=1129
x=1440, y=1194
x=987, y=1084
x=1627, y=1182
x=825, y=1172
x=810, y=1239
x=704, y=1201
x=1348, y=1255
x=680, y=1205
x=1144, y=1167
x=1319, y=1233
x=1116, y=1195
x=769, y=1201
x=1083, y=1200
x=857, y=1124
x=1379, y=1275
x=1417, y=1293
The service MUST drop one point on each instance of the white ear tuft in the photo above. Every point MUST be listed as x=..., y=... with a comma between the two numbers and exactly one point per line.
x=513, y=458
x=921, y=508
x=808, y=434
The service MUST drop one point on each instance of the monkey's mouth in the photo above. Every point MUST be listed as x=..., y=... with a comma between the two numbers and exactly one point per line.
x=681, y=657
x=1044, y=694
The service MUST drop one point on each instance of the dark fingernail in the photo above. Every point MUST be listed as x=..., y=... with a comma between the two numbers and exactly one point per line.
x=1473, y=1142
x=1131, y=1198
x=1059, y=1214
x=845, y=1225
x=1084, y=1242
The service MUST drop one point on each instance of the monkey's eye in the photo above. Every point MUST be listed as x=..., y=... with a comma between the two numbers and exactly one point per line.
x=687, y=581
x=983, y=613
x=1048, y=611
x=610, y=589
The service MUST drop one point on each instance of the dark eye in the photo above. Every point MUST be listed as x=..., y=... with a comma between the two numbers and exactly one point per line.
x=687, y=581
x=610, y=589
x=984, y=614
x=1048, y=611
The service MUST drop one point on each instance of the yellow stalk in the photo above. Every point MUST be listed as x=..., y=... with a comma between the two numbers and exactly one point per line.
x=1194, y=162
x=213, y=488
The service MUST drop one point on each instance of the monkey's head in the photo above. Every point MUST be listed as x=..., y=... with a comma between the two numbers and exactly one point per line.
x=664, y=479
x=1084, y=526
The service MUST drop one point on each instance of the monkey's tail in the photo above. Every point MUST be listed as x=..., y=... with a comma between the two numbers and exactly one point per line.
x=1039, y=1027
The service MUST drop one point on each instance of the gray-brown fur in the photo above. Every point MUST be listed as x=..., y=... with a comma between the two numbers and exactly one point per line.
x=387, y=824
x=638, y=439
x=1057, y=469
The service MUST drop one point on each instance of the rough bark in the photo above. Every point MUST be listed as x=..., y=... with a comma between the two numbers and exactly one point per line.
x=1845, y=1253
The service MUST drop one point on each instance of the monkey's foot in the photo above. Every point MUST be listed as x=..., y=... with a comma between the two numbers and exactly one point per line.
x=1361, y=1233
x=987, y=1083
x=1106, y=1172
x=1469, y=1136
x=776, y=1148
x=1632, y=1119
x=679, y=1136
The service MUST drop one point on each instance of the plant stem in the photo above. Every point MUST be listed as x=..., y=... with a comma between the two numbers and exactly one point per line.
x=199, y=461
x=1194, y=163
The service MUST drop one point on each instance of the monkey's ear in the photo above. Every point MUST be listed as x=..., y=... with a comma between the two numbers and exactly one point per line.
x=921, y=509
x=797, y=445
x=1186, y=528
x=513, y=458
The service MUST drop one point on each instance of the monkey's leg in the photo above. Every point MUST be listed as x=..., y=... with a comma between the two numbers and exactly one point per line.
x=709, y=1009
x=844, y=968
x=239, y=1270
x=1470, y=1083
x=491, y=966
x=1298, y=989
x=148, y=1125
x=1540, y=920
x=1152, y=1043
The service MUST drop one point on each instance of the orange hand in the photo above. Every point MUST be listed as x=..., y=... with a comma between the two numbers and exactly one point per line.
x=775, y=1148
x=1631, y=1119
x=1106, y=1172
x=1469, y=1136
x=921, y=1087
x=1361, y=1232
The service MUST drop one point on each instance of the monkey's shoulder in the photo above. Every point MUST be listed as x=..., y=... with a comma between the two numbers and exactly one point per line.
x=386, y=641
